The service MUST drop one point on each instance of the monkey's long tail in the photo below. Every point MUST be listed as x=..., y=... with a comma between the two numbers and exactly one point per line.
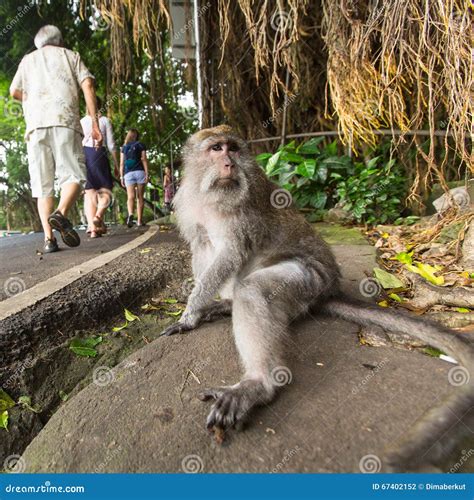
x=430, y=332
x=440, y=431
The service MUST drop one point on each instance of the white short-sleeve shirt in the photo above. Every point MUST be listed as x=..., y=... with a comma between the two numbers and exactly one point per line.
x=106, y=130
x=50, y=80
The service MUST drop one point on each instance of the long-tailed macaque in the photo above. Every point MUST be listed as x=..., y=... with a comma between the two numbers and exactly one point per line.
x=255, y=251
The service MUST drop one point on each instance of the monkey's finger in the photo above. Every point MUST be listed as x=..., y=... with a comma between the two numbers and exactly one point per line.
x=208, y=394
x=174, y=328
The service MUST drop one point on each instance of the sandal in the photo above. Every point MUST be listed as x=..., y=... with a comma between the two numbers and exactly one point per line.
x=99, y=226
x=95, y=234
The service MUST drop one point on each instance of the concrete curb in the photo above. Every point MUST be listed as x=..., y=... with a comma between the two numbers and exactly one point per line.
x=29, y=297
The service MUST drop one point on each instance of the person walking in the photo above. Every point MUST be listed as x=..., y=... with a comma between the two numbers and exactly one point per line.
x=99, y=183
x=47, y=83
x=134, y=174
x=168, y=187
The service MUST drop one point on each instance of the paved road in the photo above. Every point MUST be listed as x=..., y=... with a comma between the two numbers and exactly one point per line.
x=23, y=265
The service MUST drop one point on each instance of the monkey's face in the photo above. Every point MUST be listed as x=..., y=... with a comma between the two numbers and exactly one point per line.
x=223, y=175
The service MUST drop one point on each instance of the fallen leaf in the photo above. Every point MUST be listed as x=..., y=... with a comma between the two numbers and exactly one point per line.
x=463, y=310
x=146, y=250
x=386, y=279
x=130, y=316
x=426, y=271
x=119, y=328
x=6, y=401
x=85, y=347
x=4, y=419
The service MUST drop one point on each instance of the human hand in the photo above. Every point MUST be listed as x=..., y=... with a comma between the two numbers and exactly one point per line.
x=96, y=135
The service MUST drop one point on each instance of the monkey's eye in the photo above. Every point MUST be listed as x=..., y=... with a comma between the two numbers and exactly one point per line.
x=217, y=147
x=234, y=148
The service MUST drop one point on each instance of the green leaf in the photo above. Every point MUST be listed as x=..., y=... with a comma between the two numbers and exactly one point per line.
x=395, y=297
x=318, y=200
x=4, y=419
x=310, y=147
x=169, y=301
x=262, y=158
x=404, y=257
x=25, y=402
x=387, y=280
x=426, y=271
x=463, y=310
x=85, y=347
x=291, y=157
x=331, y=149
x=272, y=162
x=130, y=316
x=6, y=401
x=432, y=351
x=64, y=397
x=174, y=313
x=119, y=328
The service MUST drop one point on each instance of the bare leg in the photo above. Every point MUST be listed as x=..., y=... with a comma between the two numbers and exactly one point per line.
x=69, y=194
x=140, y=203
x=130, y=199
x=104, y=201
x=45, y=209
x=90, y=206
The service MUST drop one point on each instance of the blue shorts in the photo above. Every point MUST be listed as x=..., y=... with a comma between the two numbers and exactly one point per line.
x=135, y=177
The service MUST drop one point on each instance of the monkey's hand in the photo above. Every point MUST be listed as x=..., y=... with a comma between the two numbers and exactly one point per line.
x=189, y=321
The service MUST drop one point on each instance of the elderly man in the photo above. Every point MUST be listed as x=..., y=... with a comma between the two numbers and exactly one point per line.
x=47, y=82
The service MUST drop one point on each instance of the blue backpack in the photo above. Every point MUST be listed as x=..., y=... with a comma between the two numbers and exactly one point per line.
x=133, y=155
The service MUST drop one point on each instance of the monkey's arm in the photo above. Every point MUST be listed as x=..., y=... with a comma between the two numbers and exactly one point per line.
x=206, y=287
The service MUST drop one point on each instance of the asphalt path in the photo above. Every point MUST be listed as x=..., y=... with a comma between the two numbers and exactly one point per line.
x=23, y=265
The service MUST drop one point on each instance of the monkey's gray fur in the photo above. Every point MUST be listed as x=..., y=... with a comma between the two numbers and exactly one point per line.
x=270, y=267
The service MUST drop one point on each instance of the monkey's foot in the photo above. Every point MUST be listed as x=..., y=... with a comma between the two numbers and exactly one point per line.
x=176, y=328
x=233, y=403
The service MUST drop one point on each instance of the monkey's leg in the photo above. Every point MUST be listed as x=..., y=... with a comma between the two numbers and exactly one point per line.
x=264, y=303
x=217, y=310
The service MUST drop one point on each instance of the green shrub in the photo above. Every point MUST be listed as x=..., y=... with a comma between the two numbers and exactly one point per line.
x=306, y=171
x=374, y=193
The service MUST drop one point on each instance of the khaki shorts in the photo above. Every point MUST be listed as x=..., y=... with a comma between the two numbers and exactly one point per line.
x=54, y=151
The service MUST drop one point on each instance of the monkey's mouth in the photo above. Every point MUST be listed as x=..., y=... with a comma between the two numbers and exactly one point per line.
x=227, y=183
